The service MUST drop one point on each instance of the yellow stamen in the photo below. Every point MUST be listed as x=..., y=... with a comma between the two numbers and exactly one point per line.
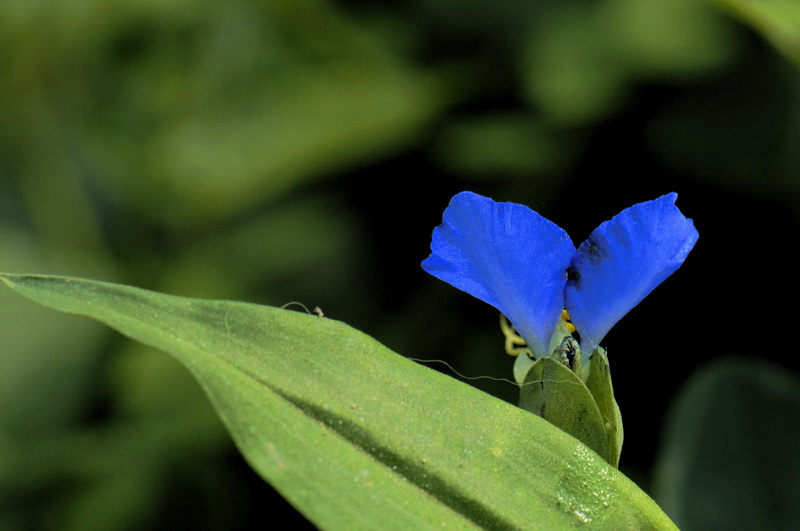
x=565, y=317
x=515, y=344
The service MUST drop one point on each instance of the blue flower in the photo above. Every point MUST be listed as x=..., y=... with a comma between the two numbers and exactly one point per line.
x=528, y=268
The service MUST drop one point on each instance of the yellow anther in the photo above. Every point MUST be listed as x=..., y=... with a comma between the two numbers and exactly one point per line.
x=565, y=317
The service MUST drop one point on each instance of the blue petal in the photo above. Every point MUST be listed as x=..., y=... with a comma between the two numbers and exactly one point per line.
x=507, y=255
x=623, y=260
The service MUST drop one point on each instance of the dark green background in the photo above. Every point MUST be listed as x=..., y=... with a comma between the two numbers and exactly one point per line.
x=283, y=151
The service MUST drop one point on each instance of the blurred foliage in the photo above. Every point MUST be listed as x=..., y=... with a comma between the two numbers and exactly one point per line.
x=303, y=150
x=777, y=20
x=729, y=459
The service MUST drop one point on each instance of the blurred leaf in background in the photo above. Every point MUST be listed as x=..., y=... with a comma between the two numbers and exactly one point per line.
x=729, y=458
x=137, y=141
x=777, y=20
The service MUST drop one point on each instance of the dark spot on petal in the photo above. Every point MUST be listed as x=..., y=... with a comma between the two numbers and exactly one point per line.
x=573, y=277
x=594, y=252
x=572, y=273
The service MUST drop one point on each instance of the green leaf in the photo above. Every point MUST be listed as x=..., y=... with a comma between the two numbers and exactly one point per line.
x=356, y=436
x=777, y=20
x=729, y=459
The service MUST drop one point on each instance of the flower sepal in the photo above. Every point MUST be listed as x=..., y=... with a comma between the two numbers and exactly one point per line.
x=554, y=390
x=599, y=384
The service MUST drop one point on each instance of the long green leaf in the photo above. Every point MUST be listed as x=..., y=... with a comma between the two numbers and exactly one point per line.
x=356, y=436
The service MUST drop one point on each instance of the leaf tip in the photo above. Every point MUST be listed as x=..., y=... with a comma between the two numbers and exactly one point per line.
x=8, y=279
